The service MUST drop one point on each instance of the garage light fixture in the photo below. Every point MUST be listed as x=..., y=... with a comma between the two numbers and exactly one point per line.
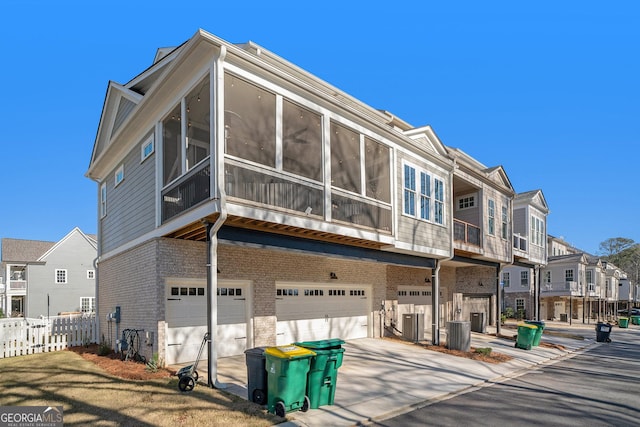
x=333, y=276
x=427, y=280
x=480, y=284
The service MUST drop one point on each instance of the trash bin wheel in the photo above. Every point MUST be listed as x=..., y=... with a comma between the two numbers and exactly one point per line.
x=186, y=383
x=259, y=396
x=528, y=346
x=280, y=410
x=516, y=346
x=305, y=405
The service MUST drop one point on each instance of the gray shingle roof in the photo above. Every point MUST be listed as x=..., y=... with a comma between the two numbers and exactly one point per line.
x=18, y=250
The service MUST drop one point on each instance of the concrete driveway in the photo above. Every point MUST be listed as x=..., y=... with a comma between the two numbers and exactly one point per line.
x=380, y=378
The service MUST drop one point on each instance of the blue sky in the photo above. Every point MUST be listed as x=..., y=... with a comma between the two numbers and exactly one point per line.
x=549, y=90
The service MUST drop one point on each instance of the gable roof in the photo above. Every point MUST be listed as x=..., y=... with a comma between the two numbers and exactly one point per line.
x=568, y=258
x=534, y=198
x=23, y=251
x=76, y=230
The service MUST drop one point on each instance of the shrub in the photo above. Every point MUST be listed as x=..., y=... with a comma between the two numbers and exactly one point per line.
x=509, y=312
x=103, y=348
x=486, y=351
x=154, y=363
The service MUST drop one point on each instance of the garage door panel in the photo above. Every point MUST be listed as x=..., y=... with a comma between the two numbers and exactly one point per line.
x=186, y=315
x=316, y=312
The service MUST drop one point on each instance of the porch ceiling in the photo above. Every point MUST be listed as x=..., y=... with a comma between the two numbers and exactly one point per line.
x=198, y=231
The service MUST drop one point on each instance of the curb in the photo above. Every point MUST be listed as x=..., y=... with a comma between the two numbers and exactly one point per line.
x=467, y=389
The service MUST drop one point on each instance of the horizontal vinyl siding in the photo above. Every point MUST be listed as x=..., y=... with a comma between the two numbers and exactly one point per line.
x=419, y=232
x=494, y=245
x=131, y=205
x=520, y=222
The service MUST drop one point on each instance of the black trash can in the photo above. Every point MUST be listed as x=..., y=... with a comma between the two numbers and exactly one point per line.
x=256, y=375
x=602, y=332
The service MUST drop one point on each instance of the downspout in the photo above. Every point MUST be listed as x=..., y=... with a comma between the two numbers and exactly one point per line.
x=435, y=274
x=217, y=109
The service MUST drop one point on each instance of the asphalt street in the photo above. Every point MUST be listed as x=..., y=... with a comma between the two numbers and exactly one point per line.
x=597, y=387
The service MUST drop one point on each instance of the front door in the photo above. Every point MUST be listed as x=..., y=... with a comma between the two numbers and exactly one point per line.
x=17, y=306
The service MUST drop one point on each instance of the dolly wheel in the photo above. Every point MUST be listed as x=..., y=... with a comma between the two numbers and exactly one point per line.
x=259, y=396
x=186, y=383
x=305, y=405
x=280, y=409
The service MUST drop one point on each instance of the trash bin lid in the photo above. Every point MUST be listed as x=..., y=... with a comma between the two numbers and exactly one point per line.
x=288, y=352
x=526, y=325
x=256, y=351
x=322, y=344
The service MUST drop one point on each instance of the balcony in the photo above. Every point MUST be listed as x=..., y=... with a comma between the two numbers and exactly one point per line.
x=17, y=285
x=466, y=233
x=304, y=198
x=187, y=192
x=561, y=289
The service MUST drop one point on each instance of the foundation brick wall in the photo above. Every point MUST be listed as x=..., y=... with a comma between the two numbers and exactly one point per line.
x=129, y=280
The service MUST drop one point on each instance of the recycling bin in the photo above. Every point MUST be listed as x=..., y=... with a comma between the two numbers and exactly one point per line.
x=323, y=372
x=540, y=325
x=635, y=320
x=602, y=332
x=623, y=322
x=287, y=368
x=526, y=334
x=256, y=375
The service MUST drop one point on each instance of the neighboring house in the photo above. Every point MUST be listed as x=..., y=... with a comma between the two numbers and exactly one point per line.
x=521, y=281
x=482, y=238
x=308, y=214
x=48, y=278
x=577, y=286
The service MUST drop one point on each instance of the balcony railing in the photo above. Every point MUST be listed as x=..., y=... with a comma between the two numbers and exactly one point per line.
x=304, y=197
x=17, y=285
x=465, y=232
x=520, y=242
x=270, y=190
x=186, y=192
x=562, y=288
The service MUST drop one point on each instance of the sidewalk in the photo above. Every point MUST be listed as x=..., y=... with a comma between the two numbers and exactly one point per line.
x=382, y=378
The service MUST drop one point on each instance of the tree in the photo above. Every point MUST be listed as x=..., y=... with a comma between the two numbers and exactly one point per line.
x=615, y=246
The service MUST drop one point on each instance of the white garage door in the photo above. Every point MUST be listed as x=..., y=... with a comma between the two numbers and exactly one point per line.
x=317, y=312
x=186, y=317
x=417, y=299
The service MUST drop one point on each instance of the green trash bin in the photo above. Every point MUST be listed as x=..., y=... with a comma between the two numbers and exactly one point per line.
x=526, y=334
x=623, y=322
x=323, y=372
x=635, y=320
x=540, y=325
x=287, y=367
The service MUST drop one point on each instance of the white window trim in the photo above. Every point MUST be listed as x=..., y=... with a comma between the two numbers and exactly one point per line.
x=524, y=307
x=506, y=279
x=471, y=197
x=103, y=200
x=524, y=285
x=433, y=201
x=491, y=217
x=66, y=276
x=92, y=304
x=118, y=176
x=147, y=142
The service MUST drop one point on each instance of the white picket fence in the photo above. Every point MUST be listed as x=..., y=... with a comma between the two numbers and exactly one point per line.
x=19, y=336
